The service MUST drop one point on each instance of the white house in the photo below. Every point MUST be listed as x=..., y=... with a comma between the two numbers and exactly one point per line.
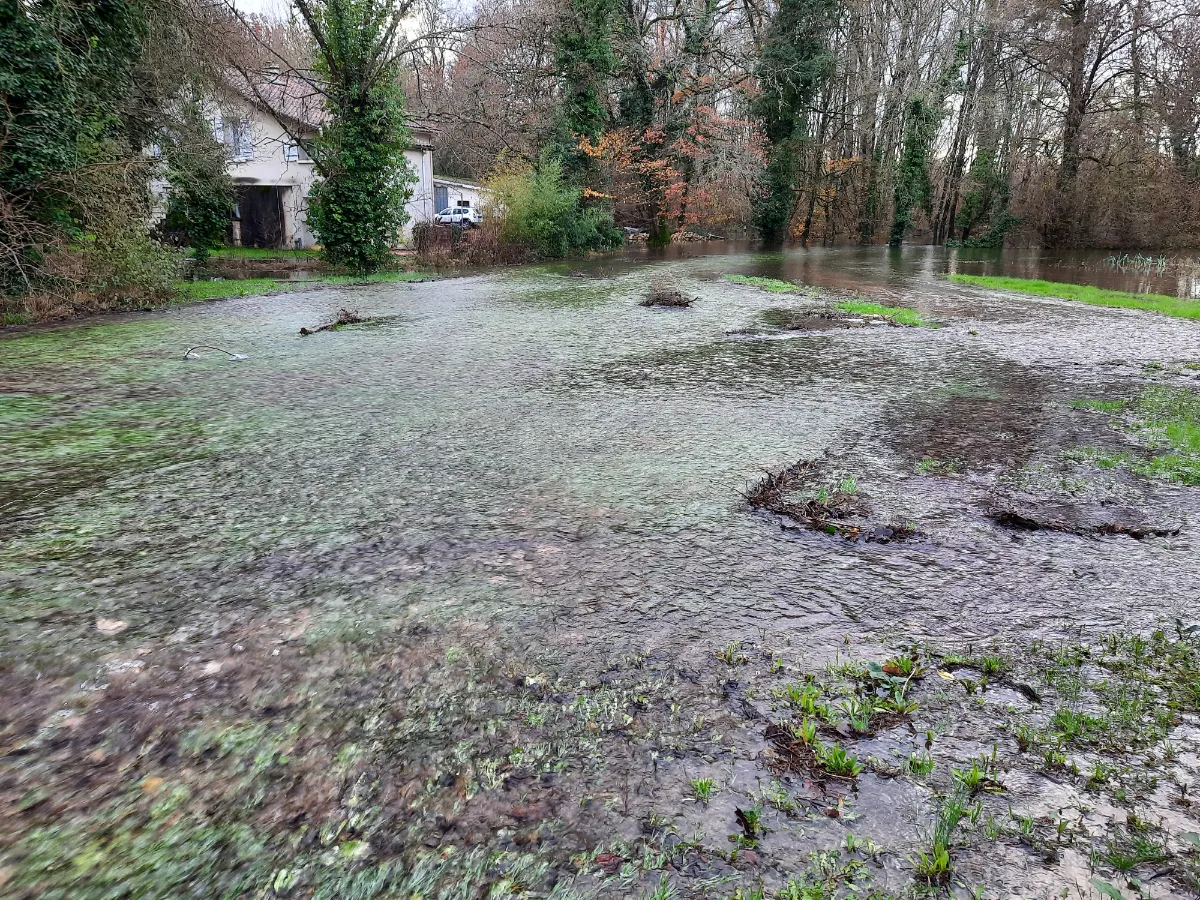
x=263, y=123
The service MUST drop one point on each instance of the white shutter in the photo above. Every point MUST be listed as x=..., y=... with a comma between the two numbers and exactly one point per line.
x=245, y=142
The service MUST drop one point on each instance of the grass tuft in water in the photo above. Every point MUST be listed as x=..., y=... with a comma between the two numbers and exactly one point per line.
x=767, y=284
x=896, y=313
x=703, y=789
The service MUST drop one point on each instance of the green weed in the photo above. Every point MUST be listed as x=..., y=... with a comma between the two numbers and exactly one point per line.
x=703, y=789
x=731, y=654
x=834, y=759
x=919, y=765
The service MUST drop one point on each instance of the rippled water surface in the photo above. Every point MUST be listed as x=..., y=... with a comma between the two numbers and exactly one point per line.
x=534, y=450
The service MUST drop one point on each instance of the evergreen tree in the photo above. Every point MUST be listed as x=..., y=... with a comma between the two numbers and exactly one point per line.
x=913, y=187
x=357, y=209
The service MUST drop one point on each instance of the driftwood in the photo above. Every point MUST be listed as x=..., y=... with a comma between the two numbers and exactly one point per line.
x=192, y=350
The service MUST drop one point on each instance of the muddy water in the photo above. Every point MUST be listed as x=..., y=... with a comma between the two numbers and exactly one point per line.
x=534, y=450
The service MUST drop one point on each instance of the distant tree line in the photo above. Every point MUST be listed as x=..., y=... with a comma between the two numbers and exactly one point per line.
x=1052, y=122
x=1055, y=122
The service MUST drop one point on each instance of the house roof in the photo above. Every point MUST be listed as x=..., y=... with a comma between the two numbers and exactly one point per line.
x=458, y=182
x=292, y=96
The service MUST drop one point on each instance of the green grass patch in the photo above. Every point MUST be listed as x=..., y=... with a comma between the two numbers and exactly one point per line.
x=250, y=287
x=767, y=284
x=1108, y=406
x=243, y=287
x=896, y=313
x=14, y=318
x=263, y=253
x=1167, y=419
x=1159, y=303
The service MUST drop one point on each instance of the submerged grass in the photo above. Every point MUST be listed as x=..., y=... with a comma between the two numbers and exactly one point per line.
x=1159, y=303
x=1167, y=419
x=767, y=284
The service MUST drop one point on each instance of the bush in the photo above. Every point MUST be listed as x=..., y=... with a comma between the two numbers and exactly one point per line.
x=538, y=209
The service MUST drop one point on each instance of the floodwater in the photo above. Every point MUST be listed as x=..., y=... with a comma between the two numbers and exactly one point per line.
x=534, y=450
x=435, y=601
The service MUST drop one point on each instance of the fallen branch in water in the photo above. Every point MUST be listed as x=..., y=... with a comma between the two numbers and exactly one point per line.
x=191, y=350
x=344, y=317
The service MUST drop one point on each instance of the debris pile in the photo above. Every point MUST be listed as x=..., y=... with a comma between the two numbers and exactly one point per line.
x=668, y=297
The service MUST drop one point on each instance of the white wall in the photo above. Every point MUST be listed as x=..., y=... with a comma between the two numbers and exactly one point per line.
x=420, y=205
x=461, y=190
x=269, y=165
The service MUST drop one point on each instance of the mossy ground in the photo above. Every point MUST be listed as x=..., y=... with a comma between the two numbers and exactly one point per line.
x=1160, y=303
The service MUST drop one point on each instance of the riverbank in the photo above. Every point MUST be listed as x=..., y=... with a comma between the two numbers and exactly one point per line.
x=1159, y=303
x=286, y=273
x=215, y=289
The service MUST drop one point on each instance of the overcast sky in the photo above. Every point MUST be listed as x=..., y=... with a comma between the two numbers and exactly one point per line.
x=277, y=9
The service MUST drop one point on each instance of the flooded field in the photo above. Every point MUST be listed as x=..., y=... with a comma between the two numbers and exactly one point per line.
x=470, y=602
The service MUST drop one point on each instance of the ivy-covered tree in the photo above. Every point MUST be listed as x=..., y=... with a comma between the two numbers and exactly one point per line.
x=584, y=55
x=200, y=191
x=65, y=68
x=357, y=208
x=913, y=187
x=795, y=60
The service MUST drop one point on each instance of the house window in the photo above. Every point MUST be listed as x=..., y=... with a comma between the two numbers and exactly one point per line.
x=465, y=203
x=240, y=140
x=296, y=153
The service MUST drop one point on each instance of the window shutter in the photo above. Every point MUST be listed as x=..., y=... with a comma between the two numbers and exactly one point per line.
x=245, y=147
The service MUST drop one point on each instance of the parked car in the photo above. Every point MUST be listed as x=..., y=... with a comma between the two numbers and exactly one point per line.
x=464, y=216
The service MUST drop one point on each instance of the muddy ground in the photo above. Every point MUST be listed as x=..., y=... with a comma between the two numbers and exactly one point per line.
x=270, y=762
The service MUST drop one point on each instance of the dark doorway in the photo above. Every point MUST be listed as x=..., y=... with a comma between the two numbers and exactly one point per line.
x=261, y=213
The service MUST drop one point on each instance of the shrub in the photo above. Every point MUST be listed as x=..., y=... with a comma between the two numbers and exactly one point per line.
x=539, y=209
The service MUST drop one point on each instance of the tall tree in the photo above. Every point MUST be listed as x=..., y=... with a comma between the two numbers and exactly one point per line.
x=795, y=60
x=357, y=208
